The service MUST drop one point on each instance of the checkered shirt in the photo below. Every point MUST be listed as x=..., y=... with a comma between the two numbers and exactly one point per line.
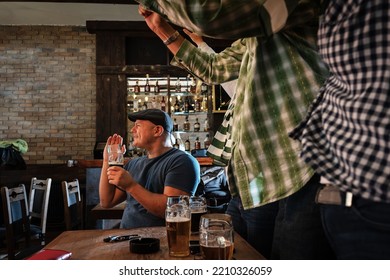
x=346, y=136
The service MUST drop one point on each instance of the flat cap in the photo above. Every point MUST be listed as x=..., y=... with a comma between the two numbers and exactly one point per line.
x=156, y=116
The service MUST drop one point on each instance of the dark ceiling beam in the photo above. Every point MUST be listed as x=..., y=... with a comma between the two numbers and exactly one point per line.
x=128, y=2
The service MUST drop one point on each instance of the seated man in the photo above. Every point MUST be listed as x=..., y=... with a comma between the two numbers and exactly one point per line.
x=145, y=182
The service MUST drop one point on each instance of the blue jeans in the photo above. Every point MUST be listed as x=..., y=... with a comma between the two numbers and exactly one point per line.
x=255, y=225
x=358, y=232
x=299, y=234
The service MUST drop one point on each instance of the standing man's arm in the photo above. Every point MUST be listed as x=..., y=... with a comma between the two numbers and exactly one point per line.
x=229, y=19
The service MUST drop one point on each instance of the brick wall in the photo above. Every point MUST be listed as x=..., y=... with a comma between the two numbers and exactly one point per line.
x=47, y=91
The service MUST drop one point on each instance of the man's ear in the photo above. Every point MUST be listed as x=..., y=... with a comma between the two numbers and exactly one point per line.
x=159, y=130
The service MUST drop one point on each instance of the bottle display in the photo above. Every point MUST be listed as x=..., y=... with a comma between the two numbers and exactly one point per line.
x=184, y=98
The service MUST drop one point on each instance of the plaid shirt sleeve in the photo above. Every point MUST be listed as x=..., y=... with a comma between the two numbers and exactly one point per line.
x=229, y=19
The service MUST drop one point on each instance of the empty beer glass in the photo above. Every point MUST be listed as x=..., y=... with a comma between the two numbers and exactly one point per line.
x=115, y=155
x=198, y=207
x=216, y=237
x=178, y=224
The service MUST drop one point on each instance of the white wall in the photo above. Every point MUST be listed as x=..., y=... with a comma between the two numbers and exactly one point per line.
x=27, y=13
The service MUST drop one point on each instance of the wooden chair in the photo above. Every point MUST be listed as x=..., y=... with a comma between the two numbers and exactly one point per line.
x=73, y=205
x=17, y=223
x=38, y=207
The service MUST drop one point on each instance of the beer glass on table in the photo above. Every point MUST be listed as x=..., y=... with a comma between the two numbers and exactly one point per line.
x=216, y=236
x=178, y=224
x=115, y=155
x=198, y=206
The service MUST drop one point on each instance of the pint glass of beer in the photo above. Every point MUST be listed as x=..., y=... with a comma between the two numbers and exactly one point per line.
x=216, y=237
x=198, y=207
x=178, y=224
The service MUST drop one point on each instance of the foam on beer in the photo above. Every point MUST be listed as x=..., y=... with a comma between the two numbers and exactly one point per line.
x=177, y=219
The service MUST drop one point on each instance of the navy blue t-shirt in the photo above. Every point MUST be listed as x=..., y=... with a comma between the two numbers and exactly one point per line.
x=174, y=168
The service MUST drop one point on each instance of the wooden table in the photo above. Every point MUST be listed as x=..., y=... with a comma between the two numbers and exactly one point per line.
x=89, y=245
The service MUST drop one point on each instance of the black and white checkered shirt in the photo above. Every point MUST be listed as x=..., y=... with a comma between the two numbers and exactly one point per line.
x=346, y=136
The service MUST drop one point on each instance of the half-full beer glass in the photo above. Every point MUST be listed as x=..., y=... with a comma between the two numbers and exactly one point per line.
x=178, y=224
x=198, y=206
x=216, y=237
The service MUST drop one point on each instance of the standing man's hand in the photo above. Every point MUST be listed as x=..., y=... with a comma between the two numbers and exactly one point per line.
x=152, y=19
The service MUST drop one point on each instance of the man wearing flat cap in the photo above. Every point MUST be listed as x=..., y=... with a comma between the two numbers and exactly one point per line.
x=145, y=182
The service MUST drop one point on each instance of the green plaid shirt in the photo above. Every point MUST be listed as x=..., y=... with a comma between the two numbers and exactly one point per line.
x=278, y=77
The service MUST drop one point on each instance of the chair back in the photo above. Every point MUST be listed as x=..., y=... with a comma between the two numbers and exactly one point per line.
x=39, y=204
x=16, y=218
x=73, y=205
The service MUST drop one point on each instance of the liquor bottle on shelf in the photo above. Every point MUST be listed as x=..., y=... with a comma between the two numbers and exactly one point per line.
x=207, y=141
x=178, y=85
x=163, y=104
x=179, y=141
x=190, y=105
x=187, y=145
x=147, y=85
x=193, y=86
x=204, y=99
x=157, y=87
x=176, y=145
x=177, y=105
x=197, y=104
x=175, y=125
x=196, y=125
x=186, y=125
x=137, y=88
x=197, y=143
x=186, y=105
x=144, y=106
x=206, y=125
